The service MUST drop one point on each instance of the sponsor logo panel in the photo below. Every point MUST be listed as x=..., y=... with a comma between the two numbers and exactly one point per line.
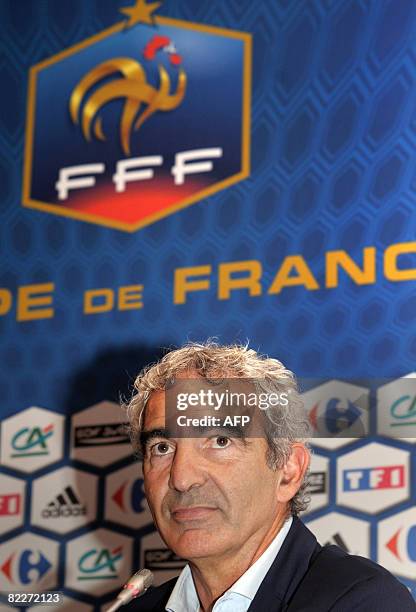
x=12, y=502
x=64, y=500
x=373, y=478
x=396, y=408
x=318, y=482
x=28, y=563
x=99, y=435
x=350, y=534
x=125, y=501
x=338, y=413
x=397, y=543
x=105, y=434
x=32, y=439
x=98, y=562
x=159, y=559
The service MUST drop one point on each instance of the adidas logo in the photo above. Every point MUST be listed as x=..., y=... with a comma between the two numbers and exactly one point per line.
x=64, y=505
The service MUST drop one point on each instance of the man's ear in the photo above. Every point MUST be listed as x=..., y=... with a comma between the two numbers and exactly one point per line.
x=293, y=472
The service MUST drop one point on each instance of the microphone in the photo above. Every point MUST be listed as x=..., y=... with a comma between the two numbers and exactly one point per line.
x=136, y=585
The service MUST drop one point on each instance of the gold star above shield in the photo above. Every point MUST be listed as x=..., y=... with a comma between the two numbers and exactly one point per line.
x=140, y=12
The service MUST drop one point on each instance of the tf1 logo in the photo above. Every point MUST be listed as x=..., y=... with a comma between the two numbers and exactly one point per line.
x=370, y=479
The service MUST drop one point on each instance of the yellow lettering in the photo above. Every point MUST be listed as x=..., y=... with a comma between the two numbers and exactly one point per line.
x=283, y=277
x=182, y=285
x=130, y=297
x=364, y=276
x=391, y=271
x=30, y=298
x=90, y=307
x=226, y=282
x=5, y=301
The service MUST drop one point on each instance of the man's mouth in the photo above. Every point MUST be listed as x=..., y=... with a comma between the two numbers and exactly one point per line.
x=191, y=513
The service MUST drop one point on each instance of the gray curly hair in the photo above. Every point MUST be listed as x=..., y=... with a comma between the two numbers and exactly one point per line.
x=286, y=424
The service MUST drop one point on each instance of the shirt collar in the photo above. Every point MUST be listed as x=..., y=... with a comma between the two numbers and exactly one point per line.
x=184, y=596
x=249, y=583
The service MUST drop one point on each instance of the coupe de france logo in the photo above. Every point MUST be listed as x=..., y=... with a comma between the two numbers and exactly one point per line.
x=138, y=121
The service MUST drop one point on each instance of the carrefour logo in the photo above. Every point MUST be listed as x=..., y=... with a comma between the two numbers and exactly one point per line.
x=25, y=567
x=396, y=543
x=130, y=496
x=31, y=441
x=334, y=417
x=153, y=119
x=99, y=563
x=403, y=544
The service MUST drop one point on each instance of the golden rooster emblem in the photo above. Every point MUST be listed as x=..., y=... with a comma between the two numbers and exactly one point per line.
x=130, y=84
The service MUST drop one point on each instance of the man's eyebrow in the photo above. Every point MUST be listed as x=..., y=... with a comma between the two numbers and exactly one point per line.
x=149, y=434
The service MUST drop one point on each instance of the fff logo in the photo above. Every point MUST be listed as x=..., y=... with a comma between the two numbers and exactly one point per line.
x=99, y=563
x=29, y=442
x=153, y=120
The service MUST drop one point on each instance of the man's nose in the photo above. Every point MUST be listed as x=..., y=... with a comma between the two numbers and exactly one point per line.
x=186, y=470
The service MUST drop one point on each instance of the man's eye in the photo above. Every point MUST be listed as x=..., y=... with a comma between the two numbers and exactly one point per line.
x=221, y=442
x=161, y=448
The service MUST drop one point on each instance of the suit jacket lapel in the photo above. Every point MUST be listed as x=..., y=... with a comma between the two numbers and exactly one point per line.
x=289, y=567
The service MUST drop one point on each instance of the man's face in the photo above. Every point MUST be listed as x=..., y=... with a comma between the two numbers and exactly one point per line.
x=208, y=495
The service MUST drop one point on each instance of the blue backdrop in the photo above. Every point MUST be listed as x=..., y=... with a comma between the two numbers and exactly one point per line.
x=333, y=139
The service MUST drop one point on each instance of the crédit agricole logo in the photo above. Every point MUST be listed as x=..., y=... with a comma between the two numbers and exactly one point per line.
x=138, y=121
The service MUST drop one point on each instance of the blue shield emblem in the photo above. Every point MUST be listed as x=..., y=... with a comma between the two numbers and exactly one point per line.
x=137, y=122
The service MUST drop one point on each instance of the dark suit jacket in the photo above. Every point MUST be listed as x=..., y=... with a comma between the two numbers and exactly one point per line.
x=305, y=576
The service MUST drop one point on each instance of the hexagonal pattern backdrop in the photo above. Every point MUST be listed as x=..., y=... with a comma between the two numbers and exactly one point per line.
x=311, y=258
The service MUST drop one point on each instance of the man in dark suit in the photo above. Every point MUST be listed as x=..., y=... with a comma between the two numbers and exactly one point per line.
x=226, y=497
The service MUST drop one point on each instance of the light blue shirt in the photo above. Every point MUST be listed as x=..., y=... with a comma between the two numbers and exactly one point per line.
x=240, y=595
